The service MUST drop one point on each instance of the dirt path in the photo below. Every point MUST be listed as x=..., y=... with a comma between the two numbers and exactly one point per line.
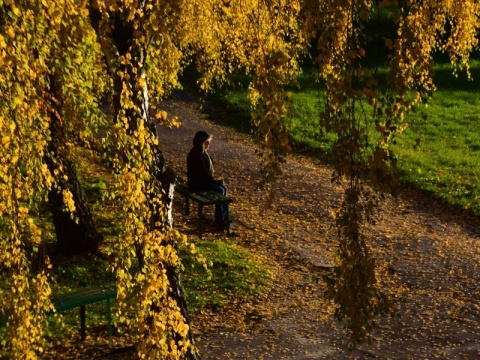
x=428, y=259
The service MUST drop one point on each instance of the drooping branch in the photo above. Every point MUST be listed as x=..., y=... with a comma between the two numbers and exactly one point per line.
x=140, y=165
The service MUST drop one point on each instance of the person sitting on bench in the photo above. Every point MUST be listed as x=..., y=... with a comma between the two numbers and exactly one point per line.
x=200, y=174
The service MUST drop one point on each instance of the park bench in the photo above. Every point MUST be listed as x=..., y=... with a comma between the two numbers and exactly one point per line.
x=79, y=299
x=203, y=198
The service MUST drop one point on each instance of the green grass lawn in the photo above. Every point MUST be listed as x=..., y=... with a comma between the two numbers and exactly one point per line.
x=439, y=153
x=447, y=157
x=232, y=275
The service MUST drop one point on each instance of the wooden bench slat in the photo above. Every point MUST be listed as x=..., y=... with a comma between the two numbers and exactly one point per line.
x=182, y=189
x=202, y=197
x=79, y=298
x=217, y=197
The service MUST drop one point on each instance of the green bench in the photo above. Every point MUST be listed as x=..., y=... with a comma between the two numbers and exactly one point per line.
x=80, y=299
x=203, y=198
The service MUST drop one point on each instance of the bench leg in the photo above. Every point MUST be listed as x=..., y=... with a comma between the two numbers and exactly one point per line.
x=109, y=323
x=200, y=220
x=187, y=206
x=227, y=215
x=82, y=322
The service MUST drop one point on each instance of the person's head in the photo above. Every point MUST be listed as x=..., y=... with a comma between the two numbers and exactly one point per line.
x=201, y=140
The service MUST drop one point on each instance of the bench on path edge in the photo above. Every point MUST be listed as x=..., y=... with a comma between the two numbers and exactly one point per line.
x=203, y=198
x=81, y=298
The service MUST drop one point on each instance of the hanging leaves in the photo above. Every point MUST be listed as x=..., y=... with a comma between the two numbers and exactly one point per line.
x=366, y=113
x=131, y=52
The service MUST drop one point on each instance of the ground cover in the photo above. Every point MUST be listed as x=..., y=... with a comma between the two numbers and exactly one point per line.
x=441, y=152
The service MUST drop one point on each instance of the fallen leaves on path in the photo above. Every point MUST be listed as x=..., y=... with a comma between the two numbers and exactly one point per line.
x=427, y=261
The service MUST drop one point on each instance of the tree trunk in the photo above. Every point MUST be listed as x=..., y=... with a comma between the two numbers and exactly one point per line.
x=166, y=179
x=76, y=233
x=122, y=36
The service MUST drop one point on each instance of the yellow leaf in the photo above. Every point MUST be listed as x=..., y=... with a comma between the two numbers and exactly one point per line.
x=11, y=32
x=16, y=10
x=161, y=115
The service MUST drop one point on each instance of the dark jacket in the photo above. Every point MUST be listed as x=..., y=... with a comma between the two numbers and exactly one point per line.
x=200, y=169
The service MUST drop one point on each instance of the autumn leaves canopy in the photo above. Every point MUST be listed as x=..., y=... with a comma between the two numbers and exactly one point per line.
x=59, y=60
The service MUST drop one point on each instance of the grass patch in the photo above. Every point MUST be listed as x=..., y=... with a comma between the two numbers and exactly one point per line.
x=440, y=155
x=232, y=274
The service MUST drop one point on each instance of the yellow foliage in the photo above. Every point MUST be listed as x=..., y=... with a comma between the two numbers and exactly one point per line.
x=68, y=200
x=45, y=40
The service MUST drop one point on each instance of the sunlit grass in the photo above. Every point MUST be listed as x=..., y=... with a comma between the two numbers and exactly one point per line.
x=232, y=273
x=439, y=153
x=442, y=153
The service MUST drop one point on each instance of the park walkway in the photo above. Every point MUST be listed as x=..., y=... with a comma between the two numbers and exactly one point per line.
x=427, y=255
